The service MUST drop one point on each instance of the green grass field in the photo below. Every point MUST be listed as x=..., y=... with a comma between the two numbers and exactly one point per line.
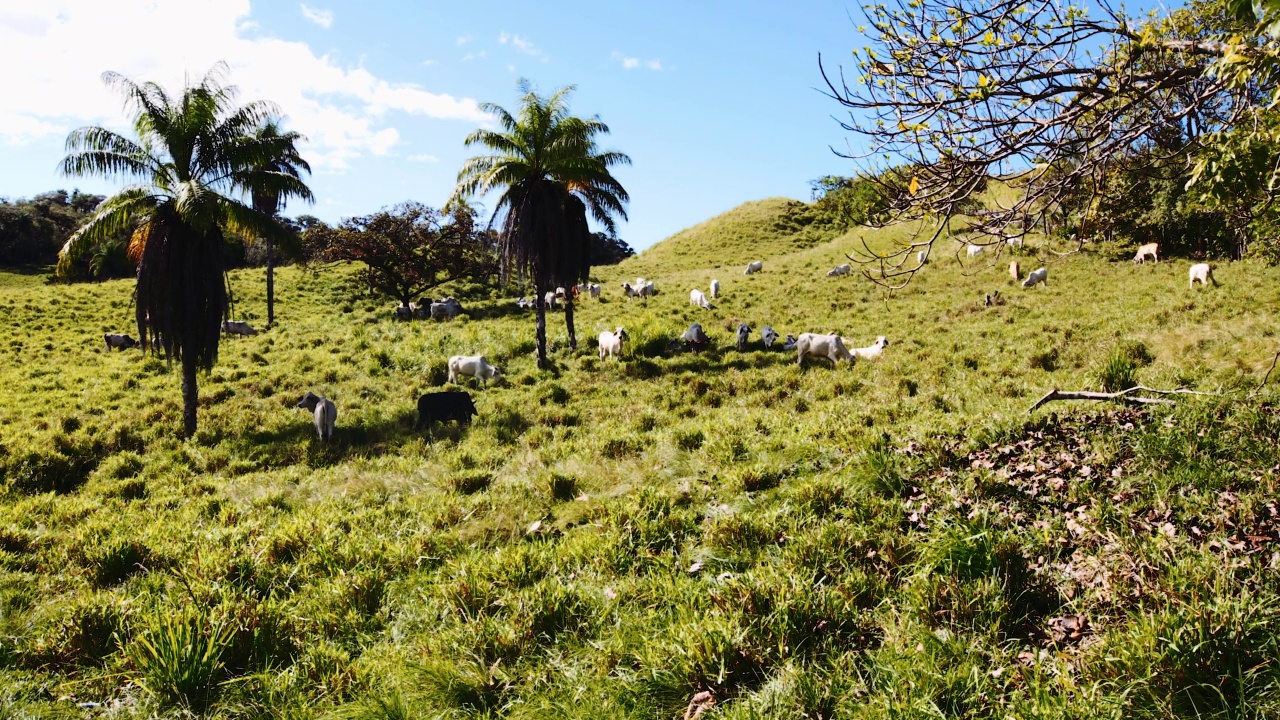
x=895, y=539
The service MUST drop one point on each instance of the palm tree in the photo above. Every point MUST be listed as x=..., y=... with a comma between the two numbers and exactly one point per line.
x=191, y=157
x=269, y=201
x=552, y=175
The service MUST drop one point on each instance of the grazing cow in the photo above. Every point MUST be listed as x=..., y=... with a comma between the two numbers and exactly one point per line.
x=695, y=338
x=744, y=332
x=1038, y=276
x=840, y=270
x=594, y=290
x=475, y=366
x=769, y=337
x=755, y=267
x=238, y=327
x=1015, y=271
x=611, y=343
x=696, y=297
x=869, y=353
x=1015, y=242
x=974, y=250
x=561, y=295
x=549, y=300
x=1202, y=272
x=446, y=309
x=116, y=340
x=821, y=346
x=326, y=413
x=403, y=312
x=440, y=407
x=525, y=303
x=715, y=288
x=1149, y=250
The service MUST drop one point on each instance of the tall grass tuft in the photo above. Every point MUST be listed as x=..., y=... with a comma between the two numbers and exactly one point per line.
x=1119, y=371
x=179, y=659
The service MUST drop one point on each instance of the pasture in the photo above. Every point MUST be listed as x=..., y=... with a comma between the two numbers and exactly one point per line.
x=899, y=538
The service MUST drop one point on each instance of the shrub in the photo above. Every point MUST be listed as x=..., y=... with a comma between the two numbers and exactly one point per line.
x=561, y=487
x=1119, y=371
x=690, y=439
x=113, y=562
x=1046, y=360
x=179, y=658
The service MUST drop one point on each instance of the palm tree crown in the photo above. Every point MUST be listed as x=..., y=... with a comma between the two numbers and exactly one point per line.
x=551, y=174
x=192, y=158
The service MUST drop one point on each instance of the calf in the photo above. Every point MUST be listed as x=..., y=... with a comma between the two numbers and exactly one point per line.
x=755, y=267
x=696, y=297
x=1039, y=276
x=1149, y=250
x=840, y=270
x=769, y=337
x=117, y=340
x=594, y=290
x=472, y=366
x=439, y=407
x=872, y=352
x=326, y=414
x=821, y=346
x=611, y=343
x=1202, y=272
x=549, y=300
x=695, y=338
x=238, y=327
x=744, y=332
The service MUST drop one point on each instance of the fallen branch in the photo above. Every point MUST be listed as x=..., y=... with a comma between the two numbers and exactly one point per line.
x=1266, y=377
x=1123, y=396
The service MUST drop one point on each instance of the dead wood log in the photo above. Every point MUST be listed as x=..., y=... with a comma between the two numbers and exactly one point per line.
x=1122, y=396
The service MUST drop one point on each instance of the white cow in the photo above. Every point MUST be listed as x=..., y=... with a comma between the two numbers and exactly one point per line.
x=1202, y=272
x=715, y=288
x=632, y=291
x=754, y=267
x=611, y=343
x=325, y=412
x=549, y=300
x=446, y=309
x=472, y=366
x=1149, y=250
x=696, y=297
x=974, y=250
x=869, y=353
x=238, y=327
x=594, y=290
x=840, y=270
x=821, y=346
x=1039, y=276
x=768, y=336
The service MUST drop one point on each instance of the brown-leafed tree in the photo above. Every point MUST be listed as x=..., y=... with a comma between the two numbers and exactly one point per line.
x=405, y=251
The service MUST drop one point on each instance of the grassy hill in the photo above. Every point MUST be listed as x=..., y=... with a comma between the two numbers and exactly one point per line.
x=899, y=538
x=752, y=231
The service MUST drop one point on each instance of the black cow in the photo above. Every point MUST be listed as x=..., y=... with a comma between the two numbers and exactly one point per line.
x=443, y=407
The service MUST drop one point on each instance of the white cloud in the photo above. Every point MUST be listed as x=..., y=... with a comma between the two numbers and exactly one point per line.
x=631, y=63
x=464, y=39
x=423, y=158
x=345, y=112
x=323, y=18
x=475, y=56
x=429, y=63
x=522, y=45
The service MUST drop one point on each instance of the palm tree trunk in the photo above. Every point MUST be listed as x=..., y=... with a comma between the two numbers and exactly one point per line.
x=568, y=321
x=271, y=282
x=188, y=394
x=541, y=310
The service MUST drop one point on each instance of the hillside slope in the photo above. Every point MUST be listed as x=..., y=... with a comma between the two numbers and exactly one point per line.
x=610, y=539
x=752, y=231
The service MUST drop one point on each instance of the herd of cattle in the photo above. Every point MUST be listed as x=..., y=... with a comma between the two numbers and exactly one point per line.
x=438, y=407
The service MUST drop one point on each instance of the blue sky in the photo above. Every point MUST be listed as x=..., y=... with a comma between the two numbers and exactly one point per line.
x=715, y=102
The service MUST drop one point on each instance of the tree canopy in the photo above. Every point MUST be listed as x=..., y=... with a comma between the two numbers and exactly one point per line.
x=1054, y=99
